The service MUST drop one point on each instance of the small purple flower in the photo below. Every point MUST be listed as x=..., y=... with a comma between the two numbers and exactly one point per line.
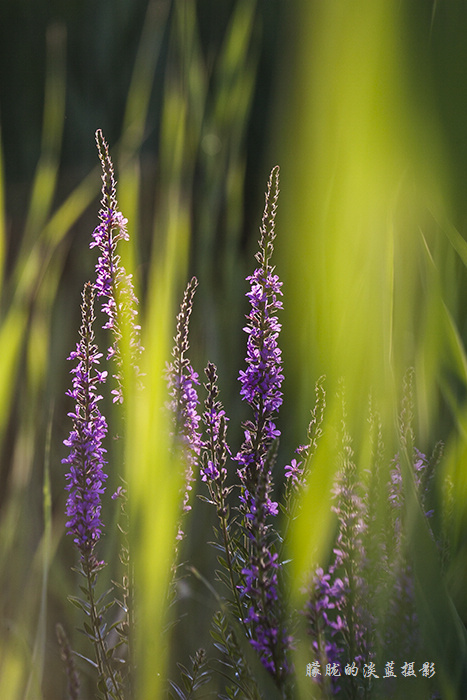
x=121, y=492
x=294, y=472
x=85, y=478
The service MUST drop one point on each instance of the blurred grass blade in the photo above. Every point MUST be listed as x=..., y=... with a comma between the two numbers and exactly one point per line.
x=223, y=140
x=2, y=220
x=45, y=178
x=33, y=689
x=154, y=481
x=12, y=332
x=154, y=476
x=443, y=631
x=185, y=92
x=192, y=72
x=442, y=338
x=454, y=237
x=140, y=90
x=135, y=123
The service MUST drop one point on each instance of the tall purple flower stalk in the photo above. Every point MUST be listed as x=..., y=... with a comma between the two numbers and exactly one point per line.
x=261, y=381
x=86, y=477
x=339, y=618
x=350, y=557
x=213, y=469
x=85, y=484
x=215, y=451
x=261, y=389
x=402, y=630
x=112, y=282
x=182, y=381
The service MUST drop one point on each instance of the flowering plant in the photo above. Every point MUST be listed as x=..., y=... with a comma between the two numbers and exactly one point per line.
x=356, y=605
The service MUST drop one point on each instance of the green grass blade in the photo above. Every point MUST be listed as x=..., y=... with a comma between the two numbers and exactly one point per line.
x=2, y=219
x=46, y=175
x=444, y=633
x=33, y=689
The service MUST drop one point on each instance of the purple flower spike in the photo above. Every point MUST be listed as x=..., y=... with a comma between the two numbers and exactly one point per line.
x=261, y=388
x=112, y=283
x=86, y=478
x=182, y=380
x=215, y=422
x=261, y=381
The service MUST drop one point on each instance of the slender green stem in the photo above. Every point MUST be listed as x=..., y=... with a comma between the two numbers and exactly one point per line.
x=103, y=664
x=230, y=566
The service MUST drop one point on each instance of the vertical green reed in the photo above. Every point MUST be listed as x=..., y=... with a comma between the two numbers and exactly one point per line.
x=220, y=198
x=135, y=124
x=189, y=119
x=2, y=221
x=44, y=557
x=154, y=479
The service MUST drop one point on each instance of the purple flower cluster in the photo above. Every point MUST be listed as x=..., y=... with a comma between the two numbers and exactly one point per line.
x=323, y=613
x=85, y=478
x=106, y=236
x=112, y=282
x=268, y=635
x=184, y=405
x=262, y=379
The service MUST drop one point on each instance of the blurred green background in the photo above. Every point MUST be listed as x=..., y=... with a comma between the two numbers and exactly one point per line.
x=362, y=103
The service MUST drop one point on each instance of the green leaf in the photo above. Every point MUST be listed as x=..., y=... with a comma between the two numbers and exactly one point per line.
x=103, y=597
x=79, y=603
x=85, y=658
x=180, y=694
x=90, y=632
x=443, y=631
